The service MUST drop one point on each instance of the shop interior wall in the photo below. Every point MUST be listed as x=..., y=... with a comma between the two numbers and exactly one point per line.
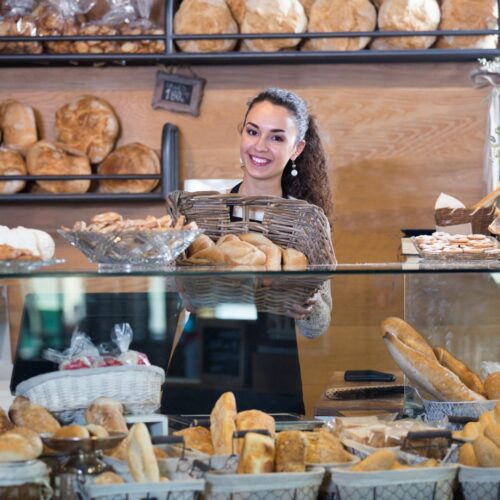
x=396, y=135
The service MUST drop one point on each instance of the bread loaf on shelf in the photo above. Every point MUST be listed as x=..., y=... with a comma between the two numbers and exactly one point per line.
x=380, y=460
x=223, y=424
x=290, y=453
x=23, y=413
x=18, y=125
x=254, y=420
x=15, y=447
x=257, y=455
x=11, y=163
x=108, y=413
x=141, y=458
x=197, y=438
x=492, y=385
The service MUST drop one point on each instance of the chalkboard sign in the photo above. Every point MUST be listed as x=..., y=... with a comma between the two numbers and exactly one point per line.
x=178, y=93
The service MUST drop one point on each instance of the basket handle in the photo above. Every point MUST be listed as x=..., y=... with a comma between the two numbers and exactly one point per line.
x=487, y=201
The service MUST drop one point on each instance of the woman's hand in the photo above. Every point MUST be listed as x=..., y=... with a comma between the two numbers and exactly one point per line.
x=302, y=311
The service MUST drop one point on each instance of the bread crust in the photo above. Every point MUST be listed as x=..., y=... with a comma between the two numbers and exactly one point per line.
x=487, y=453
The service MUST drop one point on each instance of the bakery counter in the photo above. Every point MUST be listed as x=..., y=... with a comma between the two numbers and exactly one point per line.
x=214, y=330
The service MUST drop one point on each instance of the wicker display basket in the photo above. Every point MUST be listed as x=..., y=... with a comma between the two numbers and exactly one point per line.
x=479, y=483
x=288, y=223
x=138, y=388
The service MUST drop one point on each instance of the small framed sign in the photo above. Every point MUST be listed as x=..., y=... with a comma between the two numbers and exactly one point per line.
x=179, y=93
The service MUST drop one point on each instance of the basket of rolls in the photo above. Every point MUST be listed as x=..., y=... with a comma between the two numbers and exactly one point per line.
x=446, y=386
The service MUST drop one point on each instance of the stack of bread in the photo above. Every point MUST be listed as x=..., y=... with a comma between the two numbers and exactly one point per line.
x=435, y=370
x=245, y=249
x=86, y=131
x=21, y=243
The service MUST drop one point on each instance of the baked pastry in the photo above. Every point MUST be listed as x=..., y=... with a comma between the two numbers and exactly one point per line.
x=108, y=478
x=466, y=455
x=200, y=243
x=11, y=163
x=108, y=413
x=47, y=158
x=290, y=453
x=88, y=124
x=407, y=15
x=256, y=239
x=18, y=125
x=197, y=438
x=273, y=16
x=466, y=375
x=141, y=46
x=97, y=431
x=23, y=413
x=223, y=424
x=141, y=457
x=15, y=447
x=17, y=24
x=380, y=460
x=492, y=385
x=210, y=17
x=324, y=447
x=339, y=15
x=72, y=431
x=468, y=15
x=257, y=455
x=294, y=260
x=32, y=436
x=254, y=420
x=29, y=243
x=135, y=158
x=227, y=237
x=487, y=452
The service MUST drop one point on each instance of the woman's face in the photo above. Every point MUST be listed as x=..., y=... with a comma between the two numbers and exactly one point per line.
x=268, y=140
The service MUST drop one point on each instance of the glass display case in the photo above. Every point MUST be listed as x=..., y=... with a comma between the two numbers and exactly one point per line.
x=216, y=330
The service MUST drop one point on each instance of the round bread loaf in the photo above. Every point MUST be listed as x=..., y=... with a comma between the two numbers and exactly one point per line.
x=273, y=16
x=211, y=17
x=132, y=158
x=88, y=124
x=407, y=15
x=11, y=163
x=468, y=15
x=492, y=385
x=47, y=158
x=23, y=413
x=14, y=448
x=18, y=125
x=339, y=15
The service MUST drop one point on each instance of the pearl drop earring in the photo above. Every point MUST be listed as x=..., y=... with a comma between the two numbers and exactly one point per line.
x=294, y=171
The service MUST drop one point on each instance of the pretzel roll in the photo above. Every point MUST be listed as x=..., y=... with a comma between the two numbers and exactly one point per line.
x=425, y=371
x=467, y=376
x=407, y=335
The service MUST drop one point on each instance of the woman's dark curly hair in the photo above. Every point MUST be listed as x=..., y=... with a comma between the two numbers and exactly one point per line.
x=311, y=183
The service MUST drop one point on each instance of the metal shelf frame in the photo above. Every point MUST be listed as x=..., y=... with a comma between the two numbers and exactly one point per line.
x=168, y=177
x=171, y=56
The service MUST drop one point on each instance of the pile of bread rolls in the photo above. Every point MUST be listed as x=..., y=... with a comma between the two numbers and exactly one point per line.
x=86, y=131
x=245, y=249
x=435, y=370
x=21, y=243
x=300, y=16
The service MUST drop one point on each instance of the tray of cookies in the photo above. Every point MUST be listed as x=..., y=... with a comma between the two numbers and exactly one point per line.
x=444, y=246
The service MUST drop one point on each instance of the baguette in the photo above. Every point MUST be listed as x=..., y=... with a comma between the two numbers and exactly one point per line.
x=222, y=424
x=141, y=457
x=467, y=376
x=425, y=371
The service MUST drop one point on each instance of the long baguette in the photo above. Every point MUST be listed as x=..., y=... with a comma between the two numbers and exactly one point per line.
x=437, y=380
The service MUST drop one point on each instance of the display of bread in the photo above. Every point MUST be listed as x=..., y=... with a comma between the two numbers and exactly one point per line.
x=18, y=126
x=11, y=163
x=21, y=243
x=135, y=158
x=468, y=15
x=23, y=413
x=211, y=17
x=108, y=222
x=339, y=15
x=407, y=15
x=441, y=244
x=52, y=158
x=247, y=249
x=88, y=124
x=417, y=360
x=273, y=16
x=198, y=438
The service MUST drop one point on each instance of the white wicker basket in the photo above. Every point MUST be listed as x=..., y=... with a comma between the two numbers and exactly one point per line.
x=438, y=410
x=138, y=388
x=480, y=483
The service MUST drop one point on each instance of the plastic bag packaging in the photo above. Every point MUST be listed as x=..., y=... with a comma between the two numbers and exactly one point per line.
x=122, y=336
x=18, y=21
x=61, y=18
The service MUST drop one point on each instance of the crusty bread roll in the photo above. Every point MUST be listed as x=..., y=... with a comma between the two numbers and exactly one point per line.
x=324, y=447
x=471, y=431
x=492, y=385
x=257, y=455
x=48, y=158
x=339, y=15
x=108, y=478
x=135, y=158
x=208, y=256
x=31, y=436
x=23, y=413
x=273, y=256
x=407, y=15
x=197, y=438
x=437, y=380
x=294, y=260
x=492, y=432
x=11, y=163
x=380, y=460
x=242, y=253
x=72, y=431
x=290, y=452
x=18, y=125
x=210, y=17
x=141, y=457
x=88, y=124
x=5, y=423
x=108, y=413
x=15, y=447
x=256, y=239
x=200, y=243
x=468, y=15
x=407, y=334
x=227, y=237
x=273, y=16
x=254, y=420
x=466, y=455
x=223, y=424
x=487, y=452
x=465, y=374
